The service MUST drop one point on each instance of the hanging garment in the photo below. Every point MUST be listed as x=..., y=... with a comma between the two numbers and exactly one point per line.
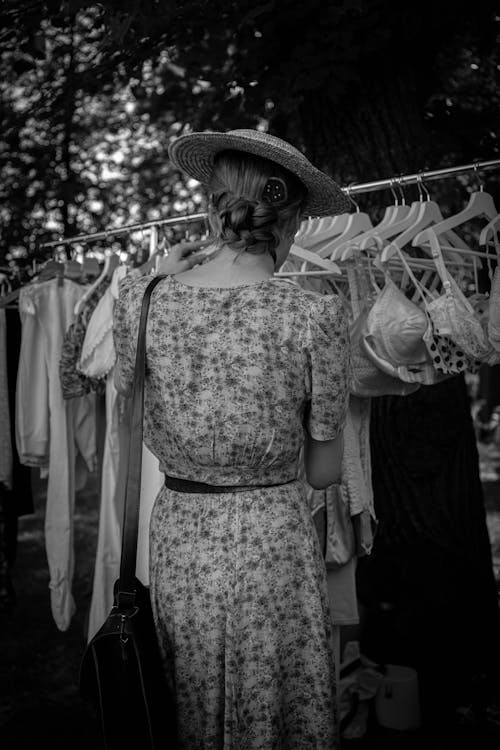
x=237, y=581
x=73, y=383
x=466, y=327
x=368, y=379
x=50, y=432
x=431, y=560
x=494, y=311
x=7, y=597
x=5, y=425
x=97, y=361
x=441, y=336
x=342, y=594
x=356, y=473
x=348, y=506
x=107, y=562
x=19, y=500
x=339, y=545
x=393, y=337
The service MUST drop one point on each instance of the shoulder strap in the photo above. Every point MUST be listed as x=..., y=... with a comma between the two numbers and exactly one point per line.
x=126, y=593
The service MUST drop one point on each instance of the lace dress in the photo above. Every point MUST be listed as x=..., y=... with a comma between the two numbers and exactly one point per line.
x=237, y=580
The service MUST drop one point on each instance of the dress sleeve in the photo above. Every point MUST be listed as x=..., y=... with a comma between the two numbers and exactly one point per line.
x=328, y=350
x=125, y=329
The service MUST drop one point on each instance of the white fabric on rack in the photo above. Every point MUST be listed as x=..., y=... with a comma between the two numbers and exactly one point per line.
x=32, y=421
x=51, y=431
x=107, y=561
x=357, y=489
x=5, y=434
x=341, y=585
x=356, y=461
x=97, y=360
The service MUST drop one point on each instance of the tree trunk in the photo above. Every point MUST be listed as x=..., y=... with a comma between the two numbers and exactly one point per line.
x=428, y=493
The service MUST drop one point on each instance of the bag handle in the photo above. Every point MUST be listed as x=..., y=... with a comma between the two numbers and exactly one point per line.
x=126, y=585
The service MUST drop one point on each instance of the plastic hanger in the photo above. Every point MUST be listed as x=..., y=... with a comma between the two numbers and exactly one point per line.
x=316, y=230
x=306, y=255
x=490, y=232
x=111, y=262
x=351, y=249
x=400, y=209
x=480, y=204
x=396, y=211
x=357, y=223
x=428, y=215
x=391, y=229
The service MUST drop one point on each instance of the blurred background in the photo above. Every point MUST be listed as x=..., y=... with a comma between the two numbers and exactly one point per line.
x=91, y=95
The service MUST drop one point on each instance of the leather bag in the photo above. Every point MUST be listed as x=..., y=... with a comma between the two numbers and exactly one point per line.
x=121, y=673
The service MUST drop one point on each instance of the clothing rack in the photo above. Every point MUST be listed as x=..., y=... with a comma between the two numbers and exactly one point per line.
x=417, y=177
x=365, y=187
x=128, y=229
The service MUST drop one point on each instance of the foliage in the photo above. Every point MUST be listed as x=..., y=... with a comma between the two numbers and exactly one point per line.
x=77, y=157
x=93, y=93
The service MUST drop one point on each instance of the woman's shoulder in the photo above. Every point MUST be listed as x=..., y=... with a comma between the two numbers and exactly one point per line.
x=314, y=303
x=133, y=285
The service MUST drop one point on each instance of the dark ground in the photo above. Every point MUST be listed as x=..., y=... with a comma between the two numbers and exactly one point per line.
x=39, y=701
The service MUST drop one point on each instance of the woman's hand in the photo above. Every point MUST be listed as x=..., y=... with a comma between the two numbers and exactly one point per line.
x=182, y=256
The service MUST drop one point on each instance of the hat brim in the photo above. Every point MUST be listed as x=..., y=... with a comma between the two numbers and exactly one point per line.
x=194, y=153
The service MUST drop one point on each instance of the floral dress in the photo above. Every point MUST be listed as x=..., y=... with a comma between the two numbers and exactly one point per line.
x=237, y=579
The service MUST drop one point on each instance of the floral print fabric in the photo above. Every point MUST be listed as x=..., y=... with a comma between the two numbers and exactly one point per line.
x=73, y=382
x=233, y=374
x=237, y=580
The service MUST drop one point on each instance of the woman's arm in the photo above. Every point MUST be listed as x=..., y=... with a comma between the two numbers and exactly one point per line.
x=323, y=460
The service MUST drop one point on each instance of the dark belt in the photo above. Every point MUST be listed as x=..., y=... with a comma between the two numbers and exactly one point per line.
x=187, y=485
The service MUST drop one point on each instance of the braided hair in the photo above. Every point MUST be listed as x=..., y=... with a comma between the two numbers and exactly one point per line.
x=252, y=202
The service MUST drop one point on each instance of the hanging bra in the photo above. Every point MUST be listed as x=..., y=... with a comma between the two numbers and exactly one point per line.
x=393, y=337
x=493, y=326
x=466, y=328
x=448, y=355
x=368, y=379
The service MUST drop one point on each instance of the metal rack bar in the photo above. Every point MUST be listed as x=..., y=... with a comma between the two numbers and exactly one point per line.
x=365, y=187
x=408, y=179
x=127, y=229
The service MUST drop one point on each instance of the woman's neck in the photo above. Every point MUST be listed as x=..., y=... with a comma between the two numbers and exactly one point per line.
x=226, y=268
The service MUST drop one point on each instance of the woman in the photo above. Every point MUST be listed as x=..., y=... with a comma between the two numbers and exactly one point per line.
x=240, y=368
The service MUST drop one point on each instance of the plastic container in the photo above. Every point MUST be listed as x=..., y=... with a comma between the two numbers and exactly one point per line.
x=397, y=704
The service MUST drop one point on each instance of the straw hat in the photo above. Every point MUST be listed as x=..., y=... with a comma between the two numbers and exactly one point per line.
x=194, y=153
